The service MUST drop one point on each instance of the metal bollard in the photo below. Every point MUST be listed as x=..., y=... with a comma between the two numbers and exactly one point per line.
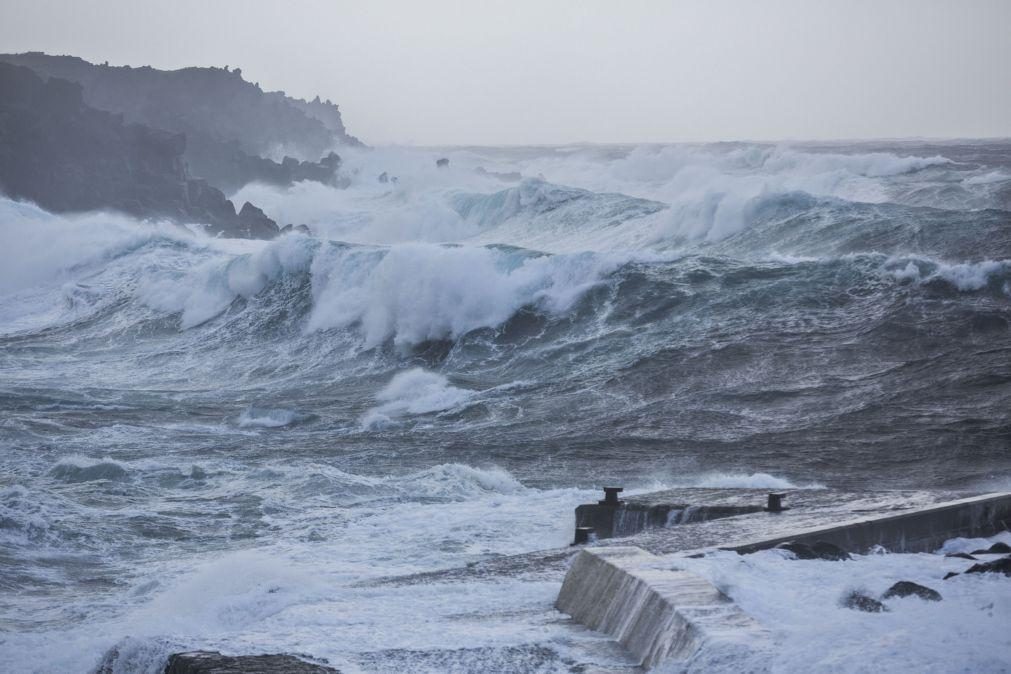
x=611, y=496
x=775, y=504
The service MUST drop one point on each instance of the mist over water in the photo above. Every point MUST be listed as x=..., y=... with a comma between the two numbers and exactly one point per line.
x=214, y=442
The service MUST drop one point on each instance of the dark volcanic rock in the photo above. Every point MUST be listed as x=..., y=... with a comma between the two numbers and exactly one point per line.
x=905, y=588
x=1002, y=565
x=951, y=574
x=800, y=550
x=829, y=551
x=998, y=548
x=861, y=602
x=961, y=555
x=819, y=550
x=210, y=662
x=66, y=156
x=442, y=163
x=254, y=223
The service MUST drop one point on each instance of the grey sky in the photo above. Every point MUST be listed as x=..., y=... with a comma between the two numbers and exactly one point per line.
x=560, y=72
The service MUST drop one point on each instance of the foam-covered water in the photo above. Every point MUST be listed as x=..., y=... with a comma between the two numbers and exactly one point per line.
x=813, y=631
x=221, y=443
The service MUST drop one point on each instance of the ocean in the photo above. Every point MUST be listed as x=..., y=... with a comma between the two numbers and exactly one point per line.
x=227, y=444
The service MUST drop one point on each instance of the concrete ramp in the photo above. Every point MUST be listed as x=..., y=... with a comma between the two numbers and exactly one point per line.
x=657, y=614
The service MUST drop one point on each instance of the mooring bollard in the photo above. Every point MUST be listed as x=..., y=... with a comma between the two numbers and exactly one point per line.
x=611, y=496
x=775, y=503
x=582, y=535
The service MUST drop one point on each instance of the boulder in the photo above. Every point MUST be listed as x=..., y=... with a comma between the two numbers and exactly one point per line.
x=212, y=662
x=998, y=548
x=905, y=588
x=442, y=163
x=859, y=601
x=829, y=551
x=819, y=550
x=799, y=550
x=1002, y=565
x=961, y=555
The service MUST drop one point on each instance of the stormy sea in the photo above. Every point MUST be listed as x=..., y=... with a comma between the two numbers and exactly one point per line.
x=241, y=445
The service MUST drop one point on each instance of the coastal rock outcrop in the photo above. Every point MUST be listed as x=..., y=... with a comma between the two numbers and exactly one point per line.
x=212, y=662
x=233, y=127
x=67, y=156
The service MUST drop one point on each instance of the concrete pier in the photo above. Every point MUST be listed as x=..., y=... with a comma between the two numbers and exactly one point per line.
x=657, y=614
x=611, y=518
x=921, y=530
x=661, y=614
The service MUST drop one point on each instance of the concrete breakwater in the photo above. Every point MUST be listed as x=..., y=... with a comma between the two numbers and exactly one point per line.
x=614, y=518
x=921, y=530
x=660, y=614
x=657, y=614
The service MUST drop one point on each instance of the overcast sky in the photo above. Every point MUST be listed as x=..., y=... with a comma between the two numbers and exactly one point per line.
x=545, y=71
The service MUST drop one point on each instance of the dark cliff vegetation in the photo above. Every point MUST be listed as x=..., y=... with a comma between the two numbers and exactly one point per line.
x=77, y=136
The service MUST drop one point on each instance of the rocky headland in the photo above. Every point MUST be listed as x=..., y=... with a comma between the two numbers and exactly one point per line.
x=76, y=136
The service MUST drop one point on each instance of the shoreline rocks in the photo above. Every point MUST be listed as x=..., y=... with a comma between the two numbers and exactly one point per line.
x=212, y=662
x=906, y=588
x=859, y=601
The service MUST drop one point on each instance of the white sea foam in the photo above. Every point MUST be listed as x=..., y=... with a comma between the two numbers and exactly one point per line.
x=799, y=601
x=413, y=392
x=412, y=293
x=965, y=276
x=268, y=418
x=750, y=481
x=711, y=193
x=205, y=291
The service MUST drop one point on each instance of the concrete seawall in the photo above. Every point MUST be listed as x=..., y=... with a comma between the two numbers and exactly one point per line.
x=922, y=530
x=661, y=614
x=657, y=614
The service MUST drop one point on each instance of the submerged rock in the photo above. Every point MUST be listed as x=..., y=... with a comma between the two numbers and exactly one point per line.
x=906, y=588
x=859, y=601
x=212, y=662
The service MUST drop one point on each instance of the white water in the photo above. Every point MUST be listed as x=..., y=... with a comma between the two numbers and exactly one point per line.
x=799, y=600
x=217, y=443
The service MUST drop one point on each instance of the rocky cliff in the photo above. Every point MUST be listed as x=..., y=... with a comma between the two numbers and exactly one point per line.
x=65, y=155
x=233, y=127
